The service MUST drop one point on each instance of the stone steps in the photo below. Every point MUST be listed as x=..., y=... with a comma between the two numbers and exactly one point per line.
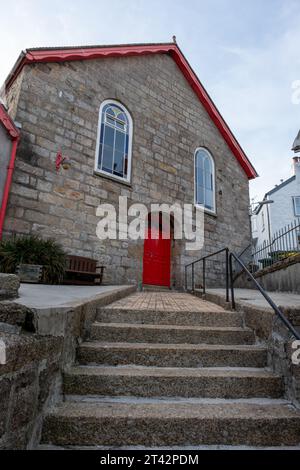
x=167, y=423
x=172, y=382
x=137, y=333
x=172, y=355
x=185, y=318
x=170, y=370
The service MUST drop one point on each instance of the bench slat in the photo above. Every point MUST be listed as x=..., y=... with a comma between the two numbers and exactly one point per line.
x=83, y=267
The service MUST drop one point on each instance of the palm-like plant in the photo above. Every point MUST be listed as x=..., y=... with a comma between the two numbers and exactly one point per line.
x=33, y=250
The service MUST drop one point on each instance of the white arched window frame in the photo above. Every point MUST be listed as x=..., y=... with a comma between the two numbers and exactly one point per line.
x=114, y=141
x=205, y=188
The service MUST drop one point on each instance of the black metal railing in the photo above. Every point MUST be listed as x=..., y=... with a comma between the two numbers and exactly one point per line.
x=283, y=244
x=278, y=312
x=203, y=261
x=237, y=269
x=231, y=257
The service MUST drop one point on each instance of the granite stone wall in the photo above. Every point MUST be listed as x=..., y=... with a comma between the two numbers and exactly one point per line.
x=58, y=105
x=29, y=381
x=40, y=345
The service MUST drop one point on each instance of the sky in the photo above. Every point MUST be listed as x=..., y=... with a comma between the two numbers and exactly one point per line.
x=246, y=54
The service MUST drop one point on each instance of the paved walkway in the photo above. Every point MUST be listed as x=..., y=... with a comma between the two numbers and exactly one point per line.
x=166, y=301
x=47, y=296
x=255, y=298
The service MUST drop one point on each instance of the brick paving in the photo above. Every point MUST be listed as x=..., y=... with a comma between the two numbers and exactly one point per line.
x=166, y=301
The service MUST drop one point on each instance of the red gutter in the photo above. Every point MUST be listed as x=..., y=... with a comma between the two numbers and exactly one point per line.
x=14, y=134
x=95, y=52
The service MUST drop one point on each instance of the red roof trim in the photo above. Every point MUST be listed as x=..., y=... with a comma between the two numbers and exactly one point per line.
x=71, y=54
x=8, y=124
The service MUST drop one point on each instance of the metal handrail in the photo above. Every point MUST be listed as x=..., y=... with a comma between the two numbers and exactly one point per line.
x=278, y=312
x=229, y=275
x=203, y=259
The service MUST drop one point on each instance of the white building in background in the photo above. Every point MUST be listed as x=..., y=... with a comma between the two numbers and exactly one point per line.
x=280, y=206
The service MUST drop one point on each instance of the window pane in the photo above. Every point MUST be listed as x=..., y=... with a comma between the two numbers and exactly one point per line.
x=100, y=156
x=200, y=195
x=207, y=164
x=121, y=125
x=100, y=146
x=200, y=177
x=209, y=199
x=110, y=112
x=208, y=180
x=120, y=141
x=121, y=117
x=118, y=163
x=110, y=120
x=297, y=205
x=109, y=135
x=107, y=160
x=125, y=165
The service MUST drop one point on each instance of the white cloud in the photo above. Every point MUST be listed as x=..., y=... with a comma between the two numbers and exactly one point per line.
x=246, y=54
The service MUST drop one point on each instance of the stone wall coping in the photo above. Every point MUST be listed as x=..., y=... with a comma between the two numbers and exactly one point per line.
x=66, y=305
x=282, y=264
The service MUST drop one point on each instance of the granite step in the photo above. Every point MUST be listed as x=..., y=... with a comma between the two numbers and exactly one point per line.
x=133, y=333
x=172, y=355
x=156, y=317
x=171, y=423
x=168, y=382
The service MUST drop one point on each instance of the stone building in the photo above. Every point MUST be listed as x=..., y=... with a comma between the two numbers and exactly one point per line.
x=135, y=121
x=279, y=208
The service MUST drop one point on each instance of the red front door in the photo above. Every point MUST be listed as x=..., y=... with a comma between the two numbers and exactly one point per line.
x=157, y=260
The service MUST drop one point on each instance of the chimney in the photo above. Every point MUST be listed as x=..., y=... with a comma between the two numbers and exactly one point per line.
x=296, y=167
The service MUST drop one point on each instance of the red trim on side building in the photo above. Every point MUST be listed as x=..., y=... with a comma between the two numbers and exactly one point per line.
x=14, y=135
x=94, y=52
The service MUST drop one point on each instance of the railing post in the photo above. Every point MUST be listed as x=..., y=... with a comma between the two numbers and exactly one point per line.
x=203, y=276
x=185, y=277
x=227, y=275
x=193, y=280
x=231, y=282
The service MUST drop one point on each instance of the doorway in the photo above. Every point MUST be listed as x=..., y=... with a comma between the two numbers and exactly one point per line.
x=157, y=254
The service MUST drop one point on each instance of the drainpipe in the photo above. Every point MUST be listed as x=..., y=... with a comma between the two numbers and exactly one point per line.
x=8, y=181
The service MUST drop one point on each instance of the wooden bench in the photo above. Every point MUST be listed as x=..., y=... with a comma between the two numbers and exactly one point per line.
x=84, y=271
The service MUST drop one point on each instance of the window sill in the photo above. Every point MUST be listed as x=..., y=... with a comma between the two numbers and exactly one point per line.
x=112, y=178
x=206, y=211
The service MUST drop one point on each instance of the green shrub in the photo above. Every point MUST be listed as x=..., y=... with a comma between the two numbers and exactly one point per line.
x=33, y=250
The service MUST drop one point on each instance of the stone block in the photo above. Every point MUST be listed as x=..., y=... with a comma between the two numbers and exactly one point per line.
x=18, y=315
x=9, y=286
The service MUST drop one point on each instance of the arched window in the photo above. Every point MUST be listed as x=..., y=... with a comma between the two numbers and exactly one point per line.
x=205, y=180
x=113, y=154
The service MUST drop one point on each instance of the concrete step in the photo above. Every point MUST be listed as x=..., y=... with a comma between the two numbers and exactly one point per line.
x=153, y=288
x=156, y=317
x=172, y=382
x=172, y=355
x=167, y=423
x=133, y=333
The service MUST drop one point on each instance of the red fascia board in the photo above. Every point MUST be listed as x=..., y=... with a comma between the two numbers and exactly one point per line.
x=8, y=124
x=71, y=54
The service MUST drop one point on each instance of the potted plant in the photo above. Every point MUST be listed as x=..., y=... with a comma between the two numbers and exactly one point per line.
x=33, y=259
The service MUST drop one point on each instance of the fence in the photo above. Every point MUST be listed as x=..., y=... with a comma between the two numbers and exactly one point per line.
x=283, y=244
